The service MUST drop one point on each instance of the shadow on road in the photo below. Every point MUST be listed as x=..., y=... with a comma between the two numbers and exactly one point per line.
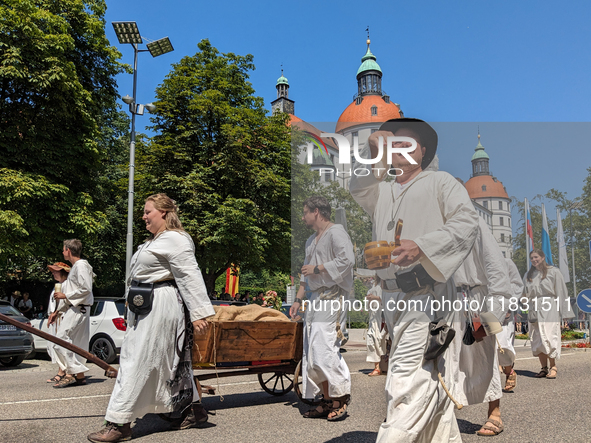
x=355, y=437
x=467, y=427
x=251, y=399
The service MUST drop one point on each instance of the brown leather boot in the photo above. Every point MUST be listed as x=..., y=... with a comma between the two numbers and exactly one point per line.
x=111, y=433
x=197, y=417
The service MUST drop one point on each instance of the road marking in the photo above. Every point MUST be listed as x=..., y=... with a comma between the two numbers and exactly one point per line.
x=536, y=358
x=52, y=399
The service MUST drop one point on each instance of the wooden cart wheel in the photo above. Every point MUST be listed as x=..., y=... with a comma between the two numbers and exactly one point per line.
x=277, y=383
x=297, y=383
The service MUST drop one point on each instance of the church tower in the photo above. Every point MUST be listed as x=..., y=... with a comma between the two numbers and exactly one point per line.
x=282, y=103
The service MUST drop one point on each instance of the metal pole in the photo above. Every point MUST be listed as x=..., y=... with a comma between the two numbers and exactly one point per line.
x=132, y=108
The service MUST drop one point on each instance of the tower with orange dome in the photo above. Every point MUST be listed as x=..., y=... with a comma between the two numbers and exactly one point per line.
x=371, y=105
x=491, y=199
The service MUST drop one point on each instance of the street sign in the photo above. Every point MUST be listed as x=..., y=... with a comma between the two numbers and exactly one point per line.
x=584, y=301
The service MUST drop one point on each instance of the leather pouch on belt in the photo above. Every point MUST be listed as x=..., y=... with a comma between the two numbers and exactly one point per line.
x=415, y=279
x=140, y=297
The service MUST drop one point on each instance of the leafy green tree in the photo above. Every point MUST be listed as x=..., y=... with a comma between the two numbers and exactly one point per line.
x=224, y=161
x=581, y=227
x=58, y=121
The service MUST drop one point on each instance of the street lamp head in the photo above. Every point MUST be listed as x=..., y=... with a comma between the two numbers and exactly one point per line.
x=127, y=99
x=160, y=47
x=151, y=108
x=127, y=32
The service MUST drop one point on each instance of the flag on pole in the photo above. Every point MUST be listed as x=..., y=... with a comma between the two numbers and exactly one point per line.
x=232, y=279
x=562, y=254
x=529, y=234
x=546, y=238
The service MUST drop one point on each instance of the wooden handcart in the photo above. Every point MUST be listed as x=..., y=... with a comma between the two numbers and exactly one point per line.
x=270, y=349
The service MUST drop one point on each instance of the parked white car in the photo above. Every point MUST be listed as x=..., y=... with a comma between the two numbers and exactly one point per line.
x=107, y=329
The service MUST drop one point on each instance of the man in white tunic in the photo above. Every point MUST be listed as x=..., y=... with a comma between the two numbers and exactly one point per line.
x=507, y=336
x=328, y=273
x=75, y=301
x=440, y=226
x=484, y=284
x=376, y=335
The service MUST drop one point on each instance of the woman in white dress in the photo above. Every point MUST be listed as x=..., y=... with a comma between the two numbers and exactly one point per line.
x=155, y=375
x=548, y=306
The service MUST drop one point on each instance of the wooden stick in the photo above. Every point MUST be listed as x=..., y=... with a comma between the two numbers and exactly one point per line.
x=109, y=370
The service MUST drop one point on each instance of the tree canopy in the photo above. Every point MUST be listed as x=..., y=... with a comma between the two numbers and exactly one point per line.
x=59, y=124
x=225, y=162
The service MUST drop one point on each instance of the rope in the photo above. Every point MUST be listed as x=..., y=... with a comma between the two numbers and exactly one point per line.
x=215, y=365
x=458, y=405
x=501, y=350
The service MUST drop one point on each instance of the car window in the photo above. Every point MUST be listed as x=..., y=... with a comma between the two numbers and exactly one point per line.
x=8, y=310
x=120, y=306
x=97, y=308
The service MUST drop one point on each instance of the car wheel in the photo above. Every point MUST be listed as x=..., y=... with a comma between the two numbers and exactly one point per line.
x=12, y=361
x=103, y=348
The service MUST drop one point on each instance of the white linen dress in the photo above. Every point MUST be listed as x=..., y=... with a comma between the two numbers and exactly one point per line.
x=148, y=356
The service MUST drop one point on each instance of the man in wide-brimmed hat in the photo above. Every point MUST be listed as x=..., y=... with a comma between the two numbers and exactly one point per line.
x=439, y=229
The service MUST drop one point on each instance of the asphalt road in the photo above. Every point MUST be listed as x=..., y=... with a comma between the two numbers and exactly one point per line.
x=540, y=410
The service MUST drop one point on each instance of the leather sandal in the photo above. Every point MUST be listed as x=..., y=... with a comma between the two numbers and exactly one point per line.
x=70, y=380
x=495, y=427
x=56, y=378
x=543, y=373
x=341, y=410
x=553, y=373
x=315, y=413
x=511, y=381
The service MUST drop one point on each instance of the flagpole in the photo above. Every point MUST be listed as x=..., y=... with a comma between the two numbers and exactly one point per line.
x=527, y=244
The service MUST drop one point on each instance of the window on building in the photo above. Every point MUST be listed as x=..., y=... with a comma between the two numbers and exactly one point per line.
x=355, y=134
x=502, y=238
x=504, y=255
x=485, y=204
x=501, y=221
x=328, y=176
x=509, y=207
x=484, y=187
x=509, y=222
x=501, y=206
x=374, y=110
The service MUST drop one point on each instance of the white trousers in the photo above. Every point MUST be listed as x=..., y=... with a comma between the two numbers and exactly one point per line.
x=507, y=341
x=376, y=339
x=73, y=328
x=418, y=408
x=322, y=360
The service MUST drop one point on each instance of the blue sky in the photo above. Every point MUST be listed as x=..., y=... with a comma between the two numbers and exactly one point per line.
x=484, y=64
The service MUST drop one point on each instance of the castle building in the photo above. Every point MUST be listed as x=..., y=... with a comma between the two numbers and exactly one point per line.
x=491, y=199
x=369, y=108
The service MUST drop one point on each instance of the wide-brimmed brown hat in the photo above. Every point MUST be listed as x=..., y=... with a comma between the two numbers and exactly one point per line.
x=59, y=266
x=428, y=136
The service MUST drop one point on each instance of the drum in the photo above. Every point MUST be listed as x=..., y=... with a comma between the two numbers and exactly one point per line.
x=378, y=254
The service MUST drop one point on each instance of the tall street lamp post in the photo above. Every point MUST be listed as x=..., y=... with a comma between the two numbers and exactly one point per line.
x=127, y=32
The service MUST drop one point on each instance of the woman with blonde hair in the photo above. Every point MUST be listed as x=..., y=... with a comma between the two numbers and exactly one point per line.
x=155, y=372
x=548, y=306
